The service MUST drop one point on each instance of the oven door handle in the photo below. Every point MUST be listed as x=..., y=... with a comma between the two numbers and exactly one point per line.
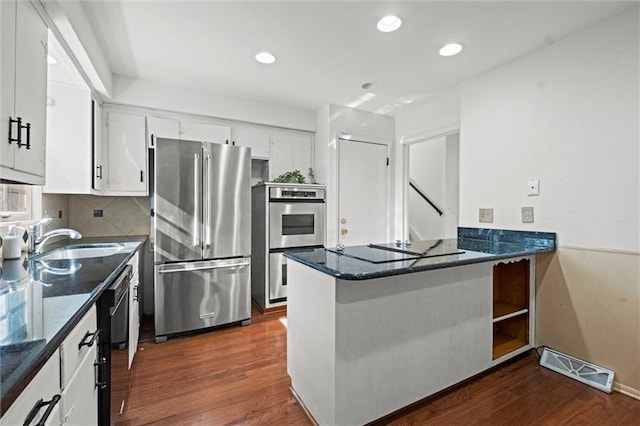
x=187, y=268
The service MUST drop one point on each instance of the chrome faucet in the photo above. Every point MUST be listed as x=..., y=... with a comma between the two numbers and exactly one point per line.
x=36, y=240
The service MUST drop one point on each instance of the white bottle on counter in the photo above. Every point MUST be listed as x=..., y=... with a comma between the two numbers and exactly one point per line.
x=11, y=245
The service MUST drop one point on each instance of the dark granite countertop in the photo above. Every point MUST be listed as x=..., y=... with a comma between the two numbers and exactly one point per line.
x=56, y=294
x=473, y=245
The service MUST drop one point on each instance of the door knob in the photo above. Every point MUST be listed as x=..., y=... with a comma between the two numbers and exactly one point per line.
x=344, y=231
x=343, y=221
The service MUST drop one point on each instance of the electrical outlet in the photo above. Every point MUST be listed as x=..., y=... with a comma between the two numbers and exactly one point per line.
x=533, y=187
x=485, y=215
x=527, y=215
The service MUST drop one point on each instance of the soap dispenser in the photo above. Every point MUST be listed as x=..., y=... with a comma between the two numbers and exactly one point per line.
x=11, y=244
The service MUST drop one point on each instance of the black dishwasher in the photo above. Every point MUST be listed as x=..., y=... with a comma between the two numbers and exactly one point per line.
x=113, y=353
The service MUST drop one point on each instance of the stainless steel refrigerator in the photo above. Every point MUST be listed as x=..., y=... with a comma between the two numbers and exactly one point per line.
x=201, y=218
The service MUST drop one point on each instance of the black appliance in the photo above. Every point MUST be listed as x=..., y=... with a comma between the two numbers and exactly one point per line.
x=113, y=319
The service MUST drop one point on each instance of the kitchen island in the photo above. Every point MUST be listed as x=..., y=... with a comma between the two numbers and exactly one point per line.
x=372, y=329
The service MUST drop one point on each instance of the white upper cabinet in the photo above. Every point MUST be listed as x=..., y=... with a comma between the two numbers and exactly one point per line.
x=255, y=138
x=98, y=170
x=162, y=127
x=205, y=132
x=69, y=140
x=126, y=154
x=290, y=151
x=23, y=92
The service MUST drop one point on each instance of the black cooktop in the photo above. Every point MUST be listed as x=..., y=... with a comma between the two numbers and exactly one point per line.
x=398, y=252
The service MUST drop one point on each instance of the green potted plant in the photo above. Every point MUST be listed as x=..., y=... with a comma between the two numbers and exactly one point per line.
x=290, y=177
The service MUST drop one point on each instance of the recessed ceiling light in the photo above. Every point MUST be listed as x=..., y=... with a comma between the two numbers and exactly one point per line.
x=451, y=49
x=369, y=86
x=51, y=60
x=265, y=58
x=389, y=23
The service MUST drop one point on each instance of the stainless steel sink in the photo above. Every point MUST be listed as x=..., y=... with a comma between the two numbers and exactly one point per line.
x=83, y=251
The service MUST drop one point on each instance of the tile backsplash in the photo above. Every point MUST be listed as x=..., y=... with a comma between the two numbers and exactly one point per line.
x=97, y=216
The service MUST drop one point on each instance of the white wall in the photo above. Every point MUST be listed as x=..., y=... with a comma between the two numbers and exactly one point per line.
x=567, y=115
x=428, y=119
x=142, y=93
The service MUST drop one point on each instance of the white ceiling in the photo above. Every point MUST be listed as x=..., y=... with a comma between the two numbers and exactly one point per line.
x=327, y=50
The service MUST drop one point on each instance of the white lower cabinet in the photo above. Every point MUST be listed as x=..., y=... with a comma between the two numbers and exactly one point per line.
x=79, y=403
x=39, y=399
x=78, y=354
x=134, y=309
x=68, y=379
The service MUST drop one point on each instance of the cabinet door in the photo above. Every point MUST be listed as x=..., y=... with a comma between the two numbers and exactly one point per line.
x=44, y=386
x=126, y=153
x=290, y=151
x=205, y=132
x=7, y=77
x=79, y=403
x=160, y=127
x=31, y=89
x=302, y=153
x=134, y=309
x=256, y=139
x=69, y=140
x=98, y=169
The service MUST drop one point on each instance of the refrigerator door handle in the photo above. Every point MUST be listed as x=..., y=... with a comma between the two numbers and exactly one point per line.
x=196, y=201
x=189, y=268
x=208, y=205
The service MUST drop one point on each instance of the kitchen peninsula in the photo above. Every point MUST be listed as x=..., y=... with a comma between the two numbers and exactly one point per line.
x=372, y=329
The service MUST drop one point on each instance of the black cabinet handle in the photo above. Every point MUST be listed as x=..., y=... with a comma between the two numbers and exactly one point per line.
x=233, y=143
x=141, y=176
x=227, y=142
x=36, y=408
x=94, y=337
x=136, y=294
x=99, y=172
x=28, y=144
x=18, y=121
x=101, y=373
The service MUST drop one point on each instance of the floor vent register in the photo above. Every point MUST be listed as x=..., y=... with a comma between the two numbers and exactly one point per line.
x=592, y=375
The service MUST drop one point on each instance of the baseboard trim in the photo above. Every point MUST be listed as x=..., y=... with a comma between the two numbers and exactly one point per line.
x=626, y=390
x=304, y=407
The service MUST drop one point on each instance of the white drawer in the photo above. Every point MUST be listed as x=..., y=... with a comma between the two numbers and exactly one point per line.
x=81, y=340
x=45, y=385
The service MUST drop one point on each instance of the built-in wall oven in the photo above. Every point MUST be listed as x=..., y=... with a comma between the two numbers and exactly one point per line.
x=284, y=217
x=113, y=318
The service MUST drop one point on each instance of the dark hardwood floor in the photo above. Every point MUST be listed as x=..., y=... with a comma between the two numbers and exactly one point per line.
x=238, y=375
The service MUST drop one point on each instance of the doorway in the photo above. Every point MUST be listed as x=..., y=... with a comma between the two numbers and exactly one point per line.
x=432, y=192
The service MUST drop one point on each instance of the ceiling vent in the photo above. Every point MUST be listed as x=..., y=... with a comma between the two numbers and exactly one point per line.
x=592, y=375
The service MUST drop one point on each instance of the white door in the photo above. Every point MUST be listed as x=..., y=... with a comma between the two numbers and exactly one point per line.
x=362, y=193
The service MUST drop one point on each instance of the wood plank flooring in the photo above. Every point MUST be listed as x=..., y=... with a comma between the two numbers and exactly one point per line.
x=238, y=376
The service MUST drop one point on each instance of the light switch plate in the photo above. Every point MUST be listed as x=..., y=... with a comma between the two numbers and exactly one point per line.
x=527, y=215
x=485, y=215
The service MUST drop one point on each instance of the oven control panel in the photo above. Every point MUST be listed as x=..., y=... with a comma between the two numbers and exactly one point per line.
x=295, y=193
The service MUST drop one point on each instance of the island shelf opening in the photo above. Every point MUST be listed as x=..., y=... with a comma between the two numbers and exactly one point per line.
x=511, y=287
